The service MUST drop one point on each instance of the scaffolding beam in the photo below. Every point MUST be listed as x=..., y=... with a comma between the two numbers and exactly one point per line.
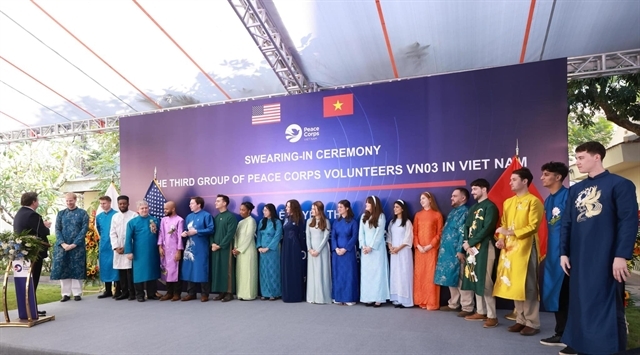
x=605, y=64
x=57, y=130
x=264, y=33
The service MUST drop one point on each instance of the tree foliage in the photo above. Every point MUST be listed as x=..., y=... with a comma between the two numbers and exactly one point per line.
x=40, y=166
x=599, y=129
x=617, y=96
x=44, y=166
x=103, y=161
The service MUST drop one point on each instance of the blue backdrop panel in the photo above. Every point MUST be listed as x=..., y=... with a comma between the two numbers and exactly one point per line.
x=403, y=138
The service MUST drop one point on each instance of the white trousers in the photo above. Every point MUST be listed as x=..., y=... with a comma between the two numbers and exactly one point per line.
x=71, y=286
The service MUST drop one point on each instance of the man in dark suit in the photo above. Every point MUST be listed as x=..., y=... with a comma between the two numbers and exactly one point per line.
x=27, y=220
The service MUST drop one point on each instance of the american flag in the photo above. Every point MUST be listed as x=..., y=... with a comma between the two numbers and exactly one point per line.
x=155, y=199
x=265, y=114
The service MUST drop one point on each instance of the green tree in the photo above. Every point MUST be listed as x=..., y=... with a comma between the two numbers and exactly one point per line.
x=41, y=166
x=44, y=166
x=617, y=96
x=599, y=129
x=103, y=160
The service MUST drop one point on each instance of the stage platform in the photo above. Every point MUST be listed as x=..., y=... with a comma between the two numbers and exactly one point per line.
x=106, y=326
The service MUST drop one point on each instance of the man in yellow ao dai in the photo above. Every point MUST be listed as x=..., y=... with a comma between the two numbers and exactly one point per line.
x=517, y=274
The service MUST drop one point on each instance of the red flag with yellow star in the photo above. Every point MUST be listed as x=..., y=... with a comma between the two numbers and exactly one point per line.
x=337, y=105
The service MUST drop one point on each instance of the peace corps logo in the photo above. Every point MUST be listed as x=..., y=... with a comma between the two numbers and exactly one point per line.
x=17, y=268
x=293, y=133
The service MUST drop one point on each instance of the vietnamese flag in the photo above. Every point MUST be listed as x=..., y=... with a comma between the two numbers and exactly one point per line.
x=501, y=191
x=337, y=105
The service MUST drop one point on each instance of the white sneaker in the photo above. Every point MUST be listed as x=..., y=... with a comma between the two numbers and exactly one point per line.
x=350, y=303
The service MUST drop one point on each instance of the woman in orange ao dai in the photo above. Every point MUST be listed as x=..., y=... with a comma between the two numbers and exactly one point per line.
x=427, y=229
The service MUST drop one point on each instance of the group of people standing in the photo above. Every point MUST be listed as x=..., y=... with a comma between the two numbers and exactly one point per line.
x=592, y=231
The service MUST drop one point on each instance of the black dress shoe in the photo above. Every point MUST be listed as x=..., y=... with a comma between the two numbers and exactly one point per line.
x=140, y=299
x=77, y=298
x=153, y=298
x=65, y=298
x=369, y=304
x=399, y=306
x=132, y=298
x=42, y=313
x=123, y=296
x=227, y=298
x=116, y=295
x=105, y=295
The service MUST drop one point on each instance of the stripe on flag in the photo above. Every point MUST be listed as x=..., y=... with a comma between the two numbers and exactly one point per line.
x=262, y=114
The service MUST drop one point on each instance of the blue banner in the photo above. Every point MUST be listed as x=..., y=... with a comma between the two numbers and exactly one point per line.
x=394, y=140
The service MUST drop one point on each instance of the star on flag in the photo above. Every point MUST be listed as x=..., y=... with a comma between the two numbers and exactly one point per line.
x=337, y=105
x=156, y=200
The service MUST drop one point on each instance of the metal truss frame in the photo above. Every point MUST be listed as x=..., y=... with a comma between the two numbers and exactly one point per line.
x=65, y=129
x=264, y=33
x=605, y=64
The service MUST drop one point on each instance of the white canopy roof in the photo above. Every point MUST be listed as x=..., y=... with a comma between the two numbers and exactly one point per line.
x=72, y=60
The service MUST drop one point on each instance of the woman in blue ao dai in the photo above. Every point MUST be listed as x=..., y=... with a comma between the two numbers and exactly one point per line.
x=268, y=244
x=318, y=256
x=294, y=253
x=374, y=278
x=344, y=265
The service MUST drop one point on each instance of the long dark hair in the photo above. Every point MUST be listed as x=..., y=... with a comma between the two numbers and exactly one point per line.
x=346, y=204
x=373, y=215
x=295, y=214
x=272, y=212
x=405, y=213
x=322, y=219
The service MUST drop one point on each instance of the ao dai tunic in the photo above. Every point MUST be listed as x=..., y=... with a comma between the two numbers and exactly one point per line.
x=247, y=260
x=523, y=215
x=427, y=229
x=71, y=228
x=401, y=273
x=479, y=229
x=170, y=239
x=554, y=207
x=195, y=259
x=142, y=242
x=374, y=277
x=223, y=277
x=293, y=263
x=270, y=237
x=344, y=276
x=118, y=234
x=448, y=265
x=105, y=260
x=318, y=267
x=599, y=224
